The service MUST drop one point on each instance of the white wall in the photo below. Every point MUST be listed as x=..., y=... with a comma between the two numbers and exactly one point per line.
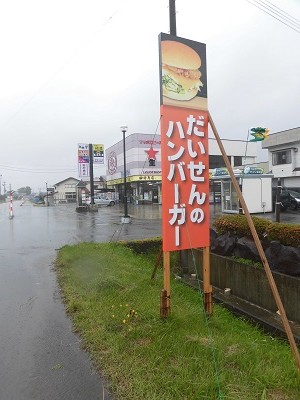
x=257, y=193
x=234, y=148
x=285, y=140
x=68, y=185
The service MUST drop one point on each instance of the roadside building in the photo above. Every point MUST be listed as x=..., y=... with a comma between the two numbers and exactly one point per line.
x=100, y=190
x=143, y=165
x=65, y=191
x=99, y=184
x=143, y=168
x=284, y=156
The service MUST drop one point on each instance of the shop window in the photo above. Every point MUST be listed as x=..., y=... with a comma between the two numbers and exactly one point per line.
x=70, y=195
x=282, y=157
x=238, y=161
x=216, y=162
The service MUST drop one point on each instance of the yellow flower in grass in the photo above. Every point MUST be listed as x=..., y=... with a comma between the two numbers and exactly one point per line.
x=133, y=313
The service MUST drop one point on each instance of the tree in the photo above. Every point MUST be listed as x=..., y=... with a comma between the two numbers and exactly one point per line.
x=25, y=190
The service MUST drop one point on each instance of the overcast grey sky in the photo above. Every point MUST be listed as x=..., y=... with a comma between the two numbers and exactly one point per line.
x=74, y=71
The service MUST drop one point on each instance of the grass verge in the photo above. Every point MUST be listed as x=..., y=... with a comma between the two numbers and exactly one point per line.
x=115, y=308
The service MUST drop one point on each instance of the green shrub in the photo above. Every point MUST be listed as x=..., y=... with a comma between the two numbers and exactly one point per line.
x=286, y=234
x=144, y=246
x=238, y=225
x=246, y=261
x=153, y=249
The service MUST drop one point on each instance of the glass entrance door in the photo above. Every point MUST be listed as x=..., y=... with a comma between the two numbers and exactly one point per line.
x=230, y=203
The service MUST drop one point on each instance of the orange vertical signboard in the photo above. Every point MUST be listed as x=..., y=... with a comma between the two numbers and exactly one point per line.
x=184, y=144
x=185, y=178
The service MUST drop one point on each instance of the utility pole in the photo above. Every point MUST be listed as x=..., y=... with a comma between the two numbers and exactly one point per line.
x=172, y=16
x=91, y=172
x=0, y=183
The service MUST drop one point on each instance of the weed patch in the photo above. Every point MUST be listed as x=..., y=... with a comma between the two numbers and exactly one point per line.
x=114, y=306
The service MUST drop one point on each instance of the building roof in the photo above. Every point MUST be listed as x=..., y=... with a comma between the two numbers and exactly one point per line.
x=282, y=138
x=81, y=184
x=64, y=180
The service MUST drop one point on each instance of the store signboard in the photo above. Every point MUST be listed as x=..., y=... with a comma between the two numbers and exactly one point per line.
x=83, y=160
x=144, y=157
x=184, y=145
x=83, y=170
x=185, y=179
x=98, y=153
x=183, y=75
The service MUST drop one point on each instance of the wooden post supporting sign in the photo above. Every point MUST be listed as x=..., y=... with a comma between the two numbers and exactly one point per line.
x=165, y=295
x=207, y=288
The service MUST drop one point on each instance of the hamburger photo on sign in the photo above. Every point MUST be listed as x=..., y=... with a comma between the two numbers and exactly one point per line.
x=183, y=72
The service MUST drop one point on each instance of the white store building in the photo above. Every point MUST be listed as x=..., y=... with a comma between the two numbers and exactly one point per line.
x=284, y=156
x=143, y=164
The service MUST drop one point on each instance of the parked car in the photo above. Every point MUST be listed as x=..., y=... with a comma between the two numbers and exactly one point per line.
x=288, y=198
x=285, y=199
x=104, y=201
x=294, y=199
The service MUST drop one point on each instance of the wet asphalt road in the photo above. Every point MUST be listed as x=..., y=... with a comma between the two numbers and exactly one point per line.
x=40, y=356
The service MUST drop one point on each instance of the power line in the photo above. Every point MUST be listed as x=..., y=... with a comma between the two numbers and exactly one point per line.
x=276, y=13
x=35, y=170
x=40, y=169
x=289, y=16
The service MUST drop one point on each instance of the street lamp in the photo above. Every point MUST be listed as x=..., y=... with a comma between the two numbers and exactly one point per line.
x=126, y=218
